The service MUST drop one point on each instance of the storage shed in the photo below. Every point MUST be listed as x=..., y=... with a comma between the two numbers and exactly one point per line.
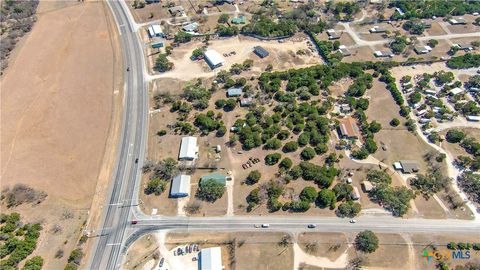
x=180, y=186
x=214, y=59
x=234, y=92
x=188, y=149
x=260, y=51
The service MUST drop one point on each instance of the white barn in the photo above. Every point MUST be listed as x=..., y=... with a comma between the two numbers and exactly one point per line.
x=188, y=149
x=180, y=186
x=214, y=59
x=211, y=259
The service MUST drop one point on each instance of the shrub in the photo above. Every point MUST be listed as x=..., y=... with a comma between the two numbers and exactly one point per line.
x=394, y=122
x=155, y=186
x=454, y=136
x=272, y=159
x=285, y=164
x=76, y=256
x=308, y=194
x=290, y=147
x=210, y=190
x=349, y=209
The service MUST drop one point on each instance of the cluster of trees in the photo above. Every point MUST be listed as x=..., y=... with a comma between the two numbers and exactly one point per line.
x=470, y=183
x=394, y=199
x=429, y=184
x=208, y=122
x=465, y=61
x=326, y=49
x=345, y=11
x=18, y=242
x=161, y=173
x=198, y=95
x=210, y=190
x=306, y=19
x=427, y=9
x=266, y=27
x=162, y=64
x=467, y=108
x=471, y=146
x=414, y=27
x=227, y=31
x=182, y=37
x=399, y=44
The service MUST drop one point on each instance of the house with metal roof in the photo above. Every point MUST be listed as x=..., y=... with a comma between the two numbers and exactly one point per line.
x=348, y=128
x=191, y=27
x=422, y=49
x=260, y=51
x=245, y=102
x=377, y=29
x=457, y=21
x=355, y=195
x=214, y=59
x=180, y=186
x=188, y=149
x=409, y=166
x=218, y=177
x=234, y=92
x=211, y=259
x=344, y=51
x=332, y=34
x=383, y=54
x=176, y=9
x=155, y=30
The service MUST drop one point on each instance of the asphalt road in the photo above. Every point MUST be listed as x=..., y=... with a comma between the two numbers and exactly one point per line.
x=117, y=233
x=107, y=249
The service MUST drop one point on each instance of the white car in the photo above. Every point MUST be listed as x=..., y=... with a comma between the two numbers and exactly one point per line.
x=353, y=221
x=265, y=225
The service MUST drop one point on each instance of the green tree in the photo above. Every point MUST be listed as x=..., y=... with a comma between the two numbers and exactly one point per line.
x=308, y=194
x=34, y=263
x=210, y=190
x=76, y=256
x=308, y=153
x=285, y=164
x=349, y=209
x=155, y=186
x=454, y=136
x=223, y=18
x=374, y=127
x=371, y=145
x=162, y=64
x=273, y=144
x=272, y=159
x=291, y=146
x=394, y=122
x=183, y=37
x=379, y=177
x=342, y=191
x=326, y=198
x=253, y=177
x=366, y=241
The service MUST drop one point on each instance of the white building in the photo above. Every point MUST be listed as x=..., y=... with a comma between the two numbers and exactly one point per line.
x=214, y=59
x=180, y=186
x=188, y=149
x=456, y=91
x=155, y=30
x=211, y=259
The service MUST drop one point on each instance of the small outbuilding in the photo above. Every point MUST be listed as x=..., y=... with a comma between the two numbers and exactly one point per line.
x=422, y=49
x=191, y=27
x=245, y=102
x=455, y=91
x=473, y=118
x=214, y=59
x=239, y=20
x=180, y=186
x=457, y=21
x=234, y=92
x=367, y=186
x=377, y=29
x=260, y=51
x=344, y=51
x=211, y=259
x=188, y=149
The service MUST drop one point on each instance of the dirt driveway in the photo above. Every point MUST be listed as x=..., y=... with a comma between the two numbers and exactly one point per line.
x=57, y=101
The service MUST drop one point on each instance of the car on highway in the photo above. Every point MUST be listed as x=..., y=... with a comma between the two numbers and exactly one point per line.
x=353, y=221
x=265, y=225
x=134, y=222
x=312, y=226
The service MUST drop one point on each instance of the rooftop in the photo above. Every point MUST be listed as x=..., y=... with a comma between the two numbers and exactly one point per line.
x=211, y=259
x=348, y=128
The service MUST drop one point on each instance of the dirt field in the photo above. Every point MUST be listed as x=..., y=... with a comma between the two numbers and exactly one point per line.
x=56, y=121
x=282, y=56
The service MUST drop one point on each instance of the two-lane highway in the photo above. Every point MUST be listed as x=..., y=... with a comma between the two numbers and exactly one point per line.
x=131, y=152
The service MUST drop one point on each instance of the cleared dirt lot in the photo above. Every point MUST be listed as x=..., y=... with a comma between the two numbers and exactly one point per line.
x=56, y=111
